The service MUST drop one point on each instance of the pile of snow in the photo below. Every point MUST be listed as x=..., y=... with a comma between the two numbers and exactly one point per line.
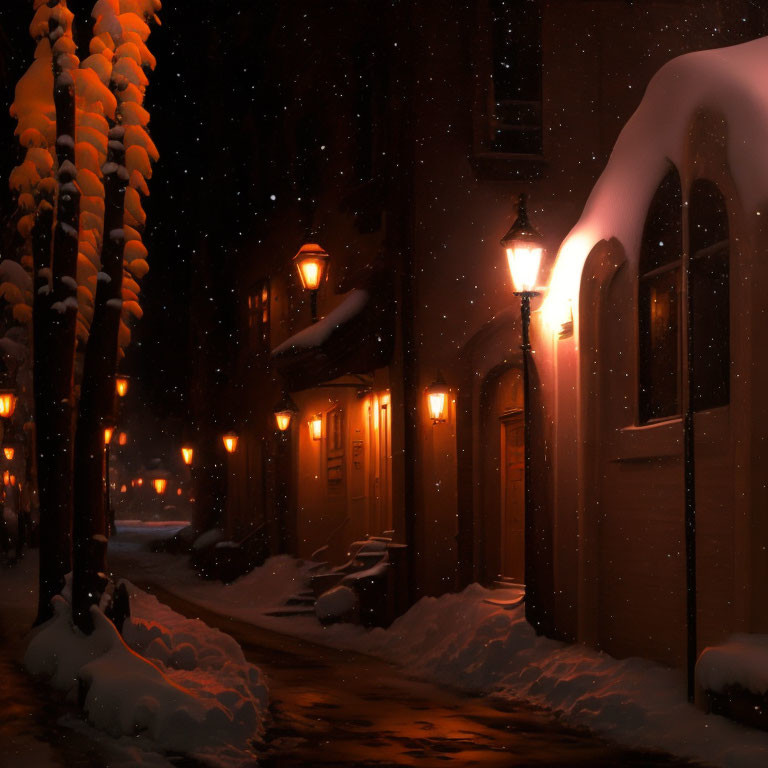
x=336, y=604
x=742, y=661
x=466, y=642
x=174, y=682
x=461, y=640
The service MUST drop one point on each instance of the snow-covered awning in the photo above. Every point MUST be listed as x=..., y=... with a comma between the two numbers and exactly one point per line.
x=356, y=337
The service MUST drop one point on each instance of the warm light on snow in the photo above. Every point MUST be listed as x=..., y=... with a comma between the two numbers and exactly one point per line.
x=728, y=82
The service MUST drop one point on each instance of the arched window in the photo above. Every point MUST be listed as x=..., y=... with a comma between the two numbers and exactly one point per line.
x=710, y=255
x=659, y=303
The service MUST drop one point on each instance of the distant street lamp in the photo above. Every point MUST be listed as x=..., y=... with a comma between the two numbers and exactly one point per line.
x=316, y=426
x=7, y=404
x=187, y=454
x=312, y=264
x=160, y=484
x=121, y=386
x=284, y=411
x=524, y=247
x=122, y=438
x=108, y=432
x=9, y=451
x=437, y=399
x=230, y=442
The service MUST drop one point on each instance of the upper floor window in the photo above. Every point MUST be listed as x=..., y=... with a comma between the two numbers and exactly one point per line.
x=515, y=97
x=661, y=305
x=258, y=315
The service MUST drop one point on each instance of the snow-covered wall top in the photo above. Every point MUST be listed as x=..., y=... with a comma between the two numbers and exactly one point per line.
x=730, y=81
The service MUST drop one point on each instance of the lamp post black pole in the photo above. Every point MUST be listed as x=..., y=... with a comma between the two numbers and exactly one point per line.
x=313, y=305
x=531, y=585
x=689, y=462
x=110, y=518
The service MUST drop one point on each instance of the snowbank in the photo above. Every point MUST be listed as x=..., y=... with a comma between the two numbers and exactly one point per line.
x=463, y=641
x=174, y=682
x=742, y=661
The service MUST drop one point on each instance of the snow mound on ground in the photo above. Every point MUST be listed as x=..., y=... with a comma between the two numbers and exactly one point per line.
x=743, y=660
x=463, y=641
x=192, y=692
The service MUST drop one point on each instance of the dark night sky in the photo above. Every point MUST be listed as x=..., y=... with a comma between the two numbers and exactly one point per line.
x=194, y=79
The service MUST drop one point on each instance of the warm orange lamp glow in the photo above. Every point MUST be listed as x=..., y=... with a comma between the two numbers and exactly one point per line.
x=6, y=477
x=9, y=451
x=7, y=404
x=122, y=438
x=123, y=488
x=160, y=484
x=178, y=491
x=437, y=399
x=312, y=263
x=283, y=420
x=284, y=411
x=108, y=435
x=187, y=454
x=524, y=248
x=230, y=442
x=139, y=481
x=121, y=386
x=13, y=479
x=316, y=427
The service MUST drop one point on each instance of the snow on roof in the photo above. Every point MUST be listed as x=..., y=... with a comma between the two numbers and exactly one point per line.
x=730, y=81
x=316, y=334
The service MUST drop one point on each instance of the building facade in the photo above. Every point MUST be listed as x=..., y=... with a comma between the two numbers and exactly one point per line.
x=407, y=134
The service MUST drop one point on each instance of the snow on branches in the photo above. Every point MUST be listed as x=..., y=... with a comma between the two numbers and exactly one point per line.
x=111, y=122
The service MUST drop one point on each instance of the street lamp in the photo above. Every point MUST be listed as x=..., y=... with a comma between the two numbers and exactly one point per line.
x=312, y=264
x=108, y=432
x=284, y=411
x=187, y=454
x=524, y=248
x=160, y=484
x=230, y=442
x=316, y=426
x=121, y=386
x=9, y=451
x=7, y=403
x=437, y=399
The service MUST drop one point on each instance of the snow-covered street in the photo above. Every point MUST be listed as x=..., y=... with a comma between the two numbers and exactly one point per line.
x=339, y=705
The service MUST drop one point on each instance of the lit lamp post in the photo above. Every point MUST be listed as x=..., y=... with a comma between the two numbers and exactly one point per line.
x=187, y=454
x=437, y=399
x=160, y=484
x=121, y=386
x=284, y=411
x=7, y=403
x=108, y=432
x=312, y=264
x=230, y=442
x=524, y=247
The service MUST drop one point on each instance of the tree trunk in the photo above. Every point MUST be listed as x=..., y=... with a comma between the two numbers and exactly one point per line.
x=55, y=325
x=55, y=533
x=97, y=395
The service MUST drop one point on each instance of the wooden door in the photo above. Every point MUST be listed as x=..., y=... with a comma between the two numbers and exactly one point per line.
x=513, y=497
x=380, y=508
